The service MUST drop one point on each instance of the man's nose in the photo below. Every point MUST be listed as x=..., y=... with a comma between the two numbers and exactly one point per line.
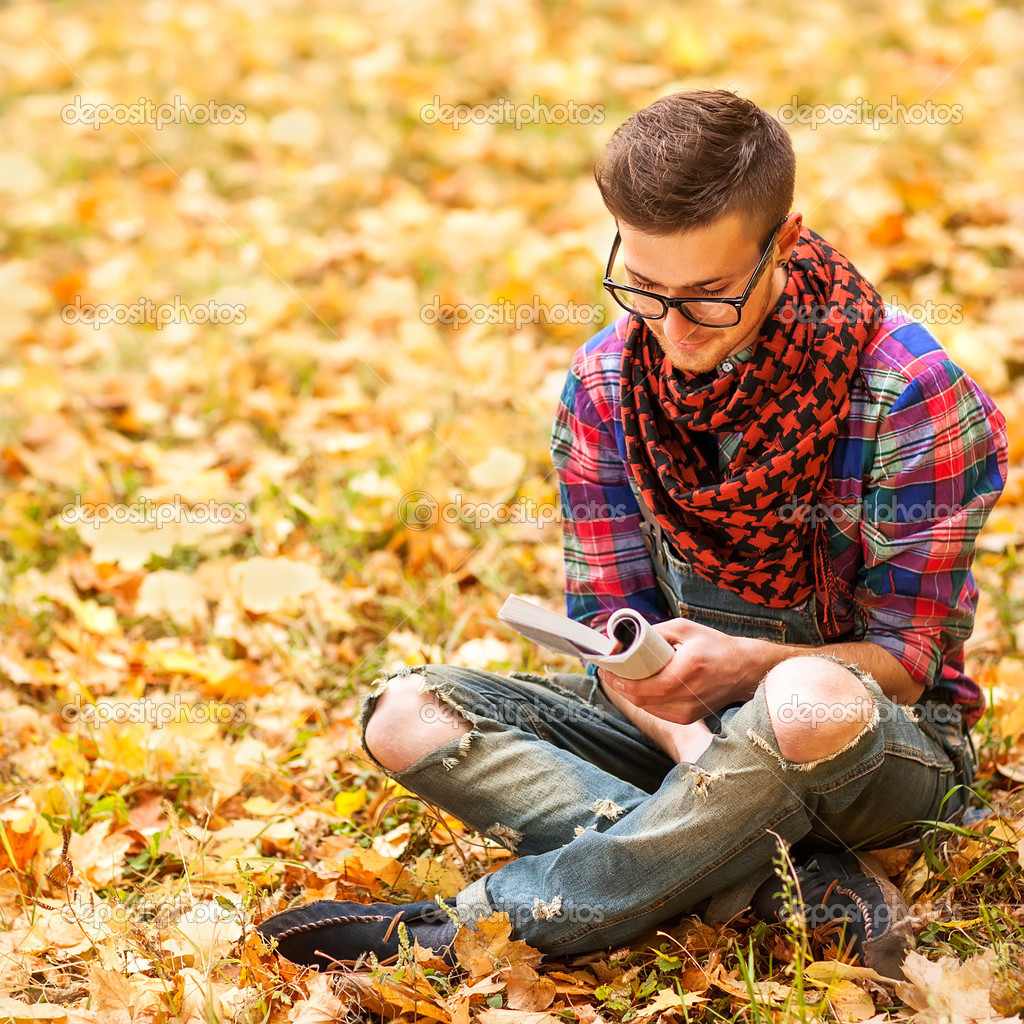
x=677, y=327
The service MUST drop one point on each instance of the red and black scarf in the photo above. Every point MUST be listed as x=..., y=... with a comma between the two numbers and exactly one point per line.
x=738, y=529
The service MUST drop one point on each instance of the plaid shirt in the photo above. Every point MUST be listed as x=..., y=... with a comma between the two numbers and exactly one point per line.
x=918, y=465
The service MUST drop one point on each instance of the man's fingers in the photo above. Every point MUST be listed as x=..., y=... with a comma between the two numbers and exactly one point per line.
x=672, y=678
x=690, y=707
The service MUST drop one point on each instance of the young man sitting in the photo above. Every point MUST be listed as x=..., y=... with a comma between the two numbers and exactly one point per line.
x=789, y=477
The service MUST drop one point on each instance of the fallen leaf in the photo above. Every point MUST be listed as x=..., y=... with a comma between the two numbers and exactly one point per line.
x=268, y=585
x=488, y=947
x=946, y=989
x=527, y=990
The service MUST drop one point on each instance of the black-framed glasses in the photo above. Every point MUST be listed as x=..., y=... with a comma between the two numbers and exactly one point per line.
x=711, y=312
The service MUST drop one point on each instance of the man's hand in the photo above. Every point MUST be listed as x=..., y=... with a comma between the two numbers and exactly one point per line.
x=709, y=670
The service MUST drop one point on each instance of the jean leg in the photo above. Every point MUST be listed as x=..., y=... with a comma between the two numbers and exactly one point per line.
x=539, y=765
x=711, y=828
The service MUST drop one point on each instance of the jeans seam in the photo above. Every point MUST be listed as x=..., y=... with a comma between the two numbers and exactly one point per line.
x=700, y=613
x=943, y=764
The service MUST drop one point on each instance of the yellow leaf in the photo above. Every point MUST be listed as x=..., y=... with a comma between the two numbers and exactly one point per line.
x=96, y=618
x=12, y=1011
x=850, y=1003
x=348, y=803
x=261, y=807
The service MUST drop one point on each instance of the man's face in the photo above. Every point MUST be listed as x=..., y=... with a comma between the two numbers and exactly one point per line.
x=707, y=262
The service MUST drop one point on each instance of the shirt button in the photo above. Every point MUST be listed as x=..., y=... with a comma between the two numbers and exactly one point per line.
x=727, y=366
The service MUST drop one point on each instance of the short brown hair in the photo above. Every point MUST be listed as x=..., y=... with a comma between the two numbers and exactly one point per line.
x=692, y=157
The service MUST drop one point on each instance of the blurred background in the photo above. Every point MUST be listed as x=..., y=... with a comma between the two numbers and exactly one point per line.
x=310, y=177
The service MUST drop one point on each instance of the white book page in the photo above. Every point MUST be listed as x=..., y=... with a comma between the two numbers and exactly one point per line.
x=643, y=650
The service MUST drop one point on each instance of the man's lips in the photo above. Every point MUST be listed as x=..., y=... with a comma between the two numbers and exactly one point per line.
x=688, y=346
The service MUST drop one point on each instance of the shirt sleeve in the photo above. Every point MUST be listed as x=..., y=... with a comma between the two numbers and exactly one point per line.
x=607, y=565
x=939, y=467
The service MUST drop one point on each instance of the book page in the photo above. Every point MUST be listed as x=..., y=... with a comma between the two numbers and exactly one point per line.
x=633, y=650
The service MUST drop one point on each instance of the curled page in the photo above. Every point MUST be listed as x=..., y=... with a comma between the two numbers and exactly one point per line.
x=633, y=648
x=643, y=650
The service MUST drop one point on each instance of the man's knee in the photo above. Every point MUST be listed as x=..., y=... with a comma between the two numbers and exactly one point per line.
x=407, y=724
x=817, y=707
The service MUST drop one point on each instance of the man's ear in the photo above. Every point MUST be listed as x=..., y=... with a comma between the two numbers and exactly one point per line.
x=789, y=236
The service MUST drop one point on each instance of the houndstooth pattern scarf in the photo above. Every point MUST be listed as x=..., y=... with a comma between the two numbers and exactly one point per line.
x=788, y=401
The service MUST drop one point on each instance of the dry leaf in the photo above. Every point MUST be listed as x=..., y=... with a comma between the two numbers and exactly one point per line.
x=267, y=585
x=488, y=947
x=947, y=989
x=172, y=595
x=321, y=1006
x=12, y=1011
x=527, y=990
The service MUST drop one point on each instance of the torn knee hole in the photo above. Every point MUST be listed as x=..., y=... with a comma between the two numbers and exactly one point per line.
x=839, y=748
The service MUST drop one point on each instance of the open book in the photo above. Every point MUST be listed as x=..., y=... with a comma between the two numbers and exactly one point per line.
x=632, y=648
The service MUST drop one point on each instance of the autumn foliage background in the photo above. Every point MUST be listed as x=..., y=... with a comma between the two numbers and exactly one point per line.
x=333, y=213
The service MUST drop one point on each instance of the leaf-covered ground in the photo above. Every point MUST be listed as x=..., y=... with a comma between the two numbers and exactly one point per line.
x=181, y=696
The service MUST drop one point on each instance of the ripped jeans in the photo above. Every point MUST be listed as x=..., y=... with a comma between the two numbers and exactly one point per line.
x=613, y=837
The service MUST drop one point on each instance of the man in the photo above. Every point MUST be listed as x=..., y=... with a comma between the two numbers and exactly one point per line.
x=789, y=478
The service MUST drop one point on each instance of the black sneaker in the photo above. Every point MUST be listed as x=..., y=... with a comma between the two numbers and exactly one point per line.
x=323, y=933
x=866, y=908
